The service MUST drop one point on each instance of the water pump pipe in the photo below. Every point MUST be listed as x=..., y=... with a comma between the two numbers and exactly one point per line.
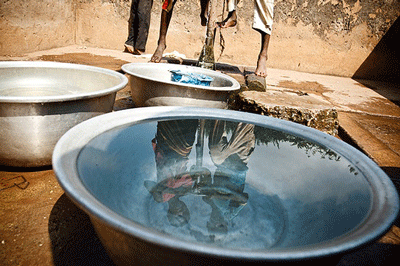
x=206, y=58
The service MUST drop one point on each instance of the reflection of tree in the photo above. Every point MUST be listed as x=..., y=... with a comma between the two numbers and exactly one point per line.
x=266, y=136
x=352, y=170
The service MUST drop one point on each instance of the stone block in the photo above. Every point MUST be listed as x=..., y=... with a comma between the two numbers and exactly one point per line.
x=302, y=109
x=255, y=83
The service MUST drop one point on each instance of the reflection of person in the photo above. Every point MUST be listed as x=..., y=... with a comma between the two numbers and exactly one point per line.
x=226, y=196
x=262, y=22
x=240, y=145
x=172, y=146
x=223, y=192
x=170, y=190
x=139, y=24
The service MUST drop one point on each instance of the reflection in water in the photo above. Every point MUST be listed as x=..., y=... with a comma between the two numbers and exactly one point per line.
x=222, y=191
x=225, y=183
x=207, y=198
x=172, y=146
x=230, y=156
x=266, y=136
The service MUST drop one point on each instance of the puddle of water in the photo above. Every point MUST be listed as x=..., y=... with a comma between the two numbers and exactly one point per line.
x=304, y=86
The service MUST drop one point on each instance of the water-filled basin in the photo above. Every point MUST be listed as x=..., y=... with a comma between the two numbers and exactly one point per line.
x=151, y=85
x=40, y=101
x=200, y=186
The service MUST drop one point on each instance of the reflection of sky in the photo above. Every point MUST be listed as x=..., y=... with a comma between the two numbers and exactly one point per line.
x=127, y=150
x=289, y=172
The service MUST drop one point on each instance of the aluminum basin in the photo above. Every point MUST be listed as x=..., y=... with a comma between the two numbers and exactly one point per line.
x=200, y=186
x=151, y=85
x=40, y=101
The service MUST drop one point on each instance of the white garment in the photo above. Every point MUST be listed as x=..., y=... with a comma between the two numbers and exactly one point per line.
x=263, y=14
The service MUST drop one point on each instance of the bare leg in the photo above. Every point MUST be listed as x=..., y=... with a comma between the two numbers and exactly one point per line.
x=204, y=12
x=230, y=21
x=261, y=69
x=162, y=45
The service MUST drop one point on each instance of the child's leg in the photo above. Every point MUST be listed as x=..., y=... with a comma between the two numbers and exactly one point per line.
x=261, y=69
x=263, y=20
x=166, y=15
x=204, y=12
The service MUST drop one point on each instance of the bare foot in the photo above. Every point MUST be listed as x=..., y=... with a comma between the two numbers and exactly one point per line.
x=261, y=69
x=129, y=48
x=132, y=50
x=230, y=21
x=227, y=23
x=138, y=51
x=157, y=56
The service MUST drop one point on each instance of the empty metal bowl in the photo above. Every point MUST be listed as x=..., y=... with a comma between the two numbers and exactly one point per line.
x=151, y=85
x=40, y=101
x=200, y=186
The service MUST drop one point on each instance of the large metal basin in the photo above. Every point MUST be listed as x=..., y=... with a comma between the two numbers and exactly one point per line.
x=40, y=101
x=151, y=85
x=200, y=186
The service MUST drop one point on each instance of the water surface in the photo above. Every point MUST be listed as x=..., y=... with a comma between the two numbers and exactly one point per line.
x=226, y=184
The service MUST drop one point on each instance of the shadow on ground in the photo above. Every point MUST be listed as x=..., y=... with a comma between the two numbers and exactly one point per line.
x=72, y=236
x=227, y=68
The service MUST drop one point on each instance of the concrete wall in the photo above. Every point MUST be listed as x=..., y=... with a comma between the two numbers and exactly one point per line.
x=318, y=36
x=27, y=25
x=102, y=23
x=330, y=36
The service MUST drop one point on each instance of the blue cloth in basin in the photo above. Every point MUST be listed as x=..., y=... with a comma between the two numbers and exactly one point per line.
x=190, y=78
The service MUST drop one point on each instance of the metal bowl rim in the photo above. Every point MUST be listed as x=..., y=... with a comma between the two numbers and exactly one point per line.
x=62, y=98
x=235, y=84
x=67, y=150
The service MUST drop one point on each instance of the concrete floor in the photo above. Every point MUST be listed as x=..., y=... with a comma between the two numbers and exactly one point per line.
x=39, y=225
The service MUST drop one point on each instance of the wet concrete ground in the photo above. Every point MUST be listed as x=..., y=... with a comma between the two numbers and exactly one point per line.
x=39, y=225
